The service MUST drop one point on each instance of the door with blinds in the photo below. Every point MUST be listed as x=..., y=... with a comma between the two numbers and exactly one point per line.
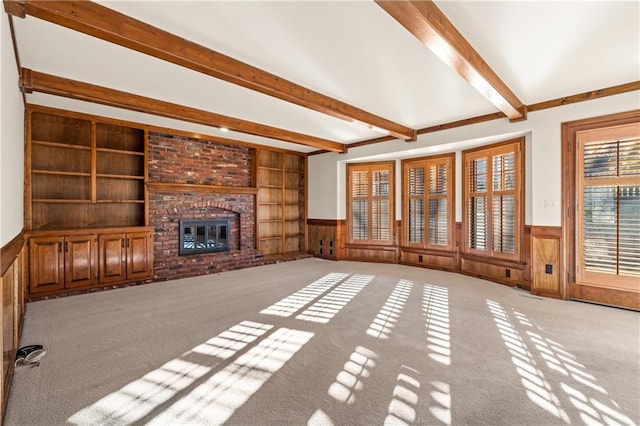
x=608, y=207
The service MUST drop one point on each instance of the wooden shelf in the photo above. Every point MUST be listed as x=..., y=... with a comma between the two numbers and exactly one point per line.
x=61, y=145
x=119, y=151
x=120, y=201
x=83, y=171
x=109, y=176
x=59, y=173
x=60, y=200
x=281, y=202
x=189, y=187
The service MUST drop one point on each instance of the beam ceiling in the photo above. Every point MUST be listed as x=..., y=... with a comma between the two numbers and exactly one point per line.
x=34, y=81
x=106, y=24
x=427, y=23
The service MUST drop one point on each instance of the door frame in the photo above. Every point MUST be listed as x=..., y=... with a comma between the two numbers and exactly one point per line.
x=569, y=288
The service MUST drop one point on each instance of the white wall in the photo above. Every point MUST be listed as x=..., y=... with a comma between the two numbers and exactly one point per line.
x=542, y=131
x=11, y=141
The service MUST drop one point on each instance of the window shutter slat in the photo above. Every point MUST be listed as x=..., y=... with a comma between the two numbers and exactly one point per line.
x=477, y=221
x=416, y=220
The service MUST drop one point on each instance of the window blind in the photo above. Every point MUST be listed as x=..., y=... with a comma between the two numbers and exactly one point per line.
x=611, y=207
x=428, y=221
x=492, y=199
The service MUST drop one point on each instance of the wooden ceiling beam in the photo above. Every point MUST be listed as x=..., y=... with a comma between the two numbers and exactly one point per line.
x=99, y=21
x=34, y=81
x=426, y=22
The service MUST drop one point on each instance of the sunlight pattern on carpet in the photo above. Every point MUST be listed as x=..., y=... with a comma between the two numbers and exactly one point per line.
x=386, y=319
x=214, y=401
x=326, y=308
x=138, y=398
x=435, y=307
x=536, y=386
x=354, y=371
x=293, y=303
x=592, y=411
x=402, y=409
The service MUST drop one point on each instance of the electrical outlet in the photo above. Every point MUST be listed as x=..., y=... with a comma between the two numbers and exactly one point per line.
x=548, y=269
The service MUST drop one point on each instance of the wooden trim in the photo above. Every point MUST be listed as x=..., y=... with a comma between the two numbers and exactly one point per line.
x=428, y=24
x=569, y=194
x=34, y=81
x=507, y=263
x=155, y=129
x=86, y=231
x=448, y=159
x=369, y=167
x=10, y=251
x=16, y=53
x=567, y=100
x=198, y=188
x=605, y=296
x=101, y=22
x=545, y=233
x=488, y=151
x=322, y=222
x=586, y=96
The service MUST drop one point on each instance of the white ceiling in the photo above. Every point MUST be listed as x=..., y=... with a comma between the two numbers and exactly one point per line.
x=349, y=50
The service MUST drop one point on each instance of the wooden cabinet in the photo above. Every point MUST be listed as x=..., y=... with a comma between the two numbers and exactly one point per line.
x=85, y=201
x=82, y=172
x=125, y=256
x=281, y=207
x=88, y=258
x=62, y=262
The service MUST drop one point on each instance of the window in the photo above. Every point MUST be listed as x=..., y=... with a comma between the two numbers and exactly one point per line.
x=370, y=203
x=492, y=194
x=608, y=206
x=428, y=209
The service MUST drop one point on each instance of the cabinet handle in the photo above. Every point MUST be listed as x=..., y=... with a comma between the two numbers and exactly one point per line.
x=66, y=247
x=60, y=248
x=127, y=243
x=122, y=243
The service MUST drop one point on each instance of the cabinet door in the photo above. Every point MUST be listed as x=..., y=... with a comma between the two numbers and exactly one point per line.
x=112, y=258
x=80, y=261
x=139, y=255
x=46, y=264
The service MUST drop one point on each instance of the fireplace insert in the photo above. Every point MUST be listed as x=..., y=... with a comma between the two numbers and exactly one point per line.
x=203, y=236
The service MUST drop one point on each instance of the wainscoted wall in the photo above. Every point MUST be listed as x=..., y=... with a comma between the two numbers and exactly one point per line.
x=12, y=281
x=540, y=248
x=200, y=179
x=546, y=267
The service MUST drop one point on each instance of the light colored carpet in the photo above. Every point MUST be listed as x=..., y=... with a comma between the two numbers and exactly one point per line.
x=321, y=342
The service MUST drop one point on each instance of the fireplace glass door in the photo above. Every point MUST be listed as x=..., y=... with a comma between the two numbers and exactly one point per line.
x=199, y=236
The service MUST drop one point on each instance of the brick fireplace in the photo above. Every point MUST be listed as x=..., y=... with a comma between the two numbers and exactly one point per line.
x=196, y=162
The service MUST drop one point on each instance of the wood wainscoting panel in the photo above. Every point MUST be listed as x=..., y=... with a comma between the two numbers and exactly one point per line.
x=605, y=296
x=12, y=299
x=323, y=238
x=429, y=259
x=546, y=267
x=382, y=254
x=501, y=271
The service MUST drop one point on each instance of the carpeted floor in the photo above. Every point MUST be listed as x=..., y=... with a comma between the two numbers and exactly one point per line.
x=320, y=342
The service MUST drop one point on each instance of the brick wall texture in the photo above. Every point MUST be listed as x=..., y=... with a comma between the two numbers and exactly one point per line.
x=176, y=159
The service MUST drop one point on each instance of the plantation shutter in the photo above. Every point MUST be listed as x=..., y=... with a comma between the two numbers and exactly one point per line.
x=416, y=204
x=609, y=207
x=360, y=205
x=370, y=191
x=478, y=204
x=428, y=197
x=492, y=200
x=438, y=209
